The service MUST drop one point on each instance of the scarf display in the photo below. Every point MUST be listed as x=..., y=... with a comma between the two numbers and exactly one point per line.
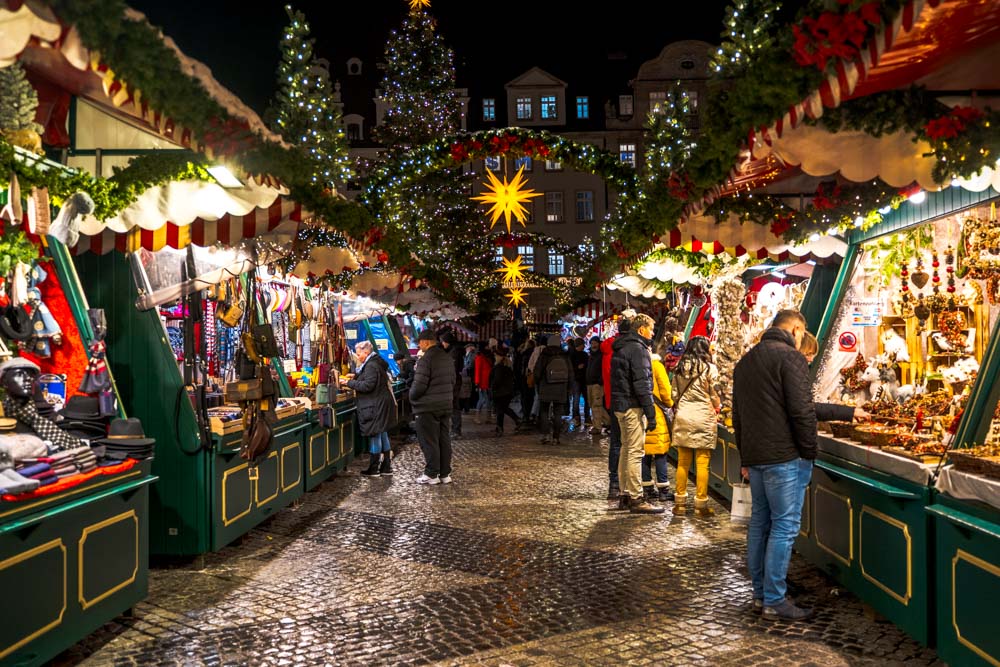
x=44, y=427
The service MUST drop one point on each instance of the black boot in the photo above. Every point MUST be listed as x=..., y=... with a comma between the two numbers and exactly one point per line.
x=385, y=468
x=372, y=470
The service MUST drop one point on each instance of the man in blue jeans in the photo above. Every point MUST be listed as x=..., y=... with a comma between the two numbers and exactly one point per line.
x=775, y=426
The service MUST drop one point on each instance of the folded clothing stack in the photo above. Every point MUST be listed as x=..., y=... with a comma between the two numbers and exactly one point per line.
x=10, y=480
x=84, y=458
x=42, y=472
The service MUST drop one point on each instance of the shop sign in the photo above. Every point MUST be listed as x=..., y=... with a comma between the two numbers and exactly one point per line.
x=866, y=312
x=352, y=334
x=382, y=344
x=289, y=366
x=847, y=341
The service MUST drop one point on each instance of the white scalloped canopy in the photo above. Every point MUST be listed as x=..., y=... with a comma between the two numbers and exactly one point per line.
x=755, y=240
x=182, y=202
x=18, y=27
x=637, y=286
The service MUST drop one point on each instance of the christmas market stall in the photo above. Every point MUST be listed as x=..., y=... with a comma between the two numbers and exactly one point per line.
x=893, y=148
x=167, y=233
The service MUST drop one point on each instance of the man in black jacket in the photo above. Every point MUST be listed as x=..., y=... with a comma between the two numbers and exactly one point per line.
x=431, y=397
x=775, y=426
x=632, y=403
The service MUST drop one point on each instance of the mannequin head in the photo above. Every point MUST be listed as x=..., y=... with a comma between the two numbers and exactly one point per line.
x=18, y=377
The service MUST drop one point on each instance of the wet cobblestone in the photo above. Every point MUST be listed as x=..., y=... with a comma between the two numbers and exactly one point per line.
x=519, y=562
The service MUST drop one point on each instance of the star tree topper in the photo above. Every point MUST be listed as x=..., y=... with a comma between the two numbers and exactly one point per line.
x=512, y=270
x=418, y=4
x=516, y=296
x=507, y=197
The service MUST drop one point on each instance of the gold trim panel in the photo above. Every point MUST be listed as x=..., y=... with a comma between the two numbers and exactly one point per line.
x=93, y=528
x=60, y=497
x=27, y=555
x=298, y=467
x=725, y=462
x=277, y=482
x=312, y=438
x=807, y=521
x=961, y=554
x=225, y=475
x=850, y=527
x=331, y=457
x=896, y=523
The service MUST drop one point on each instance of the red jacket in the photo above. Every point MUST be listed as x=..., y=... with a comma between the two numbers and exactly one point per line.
x=606, y=353
x=484, y=364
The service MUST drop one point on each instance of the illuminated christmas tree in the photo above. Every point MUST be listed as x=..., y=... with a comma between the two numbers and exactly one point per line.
x=303, y=111
x=448, y=229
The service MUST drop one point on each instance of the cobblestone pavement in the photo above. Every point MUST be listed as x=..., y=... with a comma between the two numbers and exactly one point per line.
x=519, y=562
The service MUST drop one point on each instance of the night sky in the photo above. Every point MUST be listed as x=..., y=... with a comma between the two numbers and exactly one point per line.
x=238, y=40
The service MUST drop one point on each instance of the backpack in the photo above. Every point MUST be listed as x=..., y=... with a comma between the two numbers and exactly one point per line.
x=557, y=371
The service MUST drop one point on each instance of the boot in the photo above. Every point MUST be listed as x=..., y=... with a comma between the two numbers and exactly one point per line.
x=385, y=468
x=650, y=494
x=624, y=502
x=680, y=505
x=613, y=491
x=643, y=506
x=373, y=463
x=701, y=508
x=664, y=494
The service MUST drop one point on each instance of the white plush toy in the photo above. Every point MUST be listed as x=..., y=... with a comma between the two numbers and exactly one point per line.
x=66, y=226
x=894, y=344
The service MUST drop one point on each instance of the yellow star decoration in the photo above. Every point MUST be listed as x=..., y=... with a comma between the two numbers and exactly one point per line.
x=516, y=296
x=512, y=270
x=507, y=198
x=417, y=4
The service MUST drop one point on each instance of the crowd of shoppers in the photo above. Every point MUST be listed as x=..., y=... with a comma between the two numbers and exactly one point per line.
x=646, y=401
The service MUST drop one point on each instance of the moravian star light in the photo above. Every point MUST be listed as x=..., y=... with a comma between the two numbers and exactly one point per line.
x=507, y=199
x=418, y=4
x=516, y=296
x=512, y=270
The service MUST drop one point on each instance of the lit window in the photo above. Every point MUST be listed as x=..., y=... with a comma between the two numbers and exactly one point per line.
x=548, y=104
x=657, y=101
x=692, y=96
x=624, y=105
x=527, y=254
x=583, y=107
x=499, y=254
x=353, y=132
x=587, y=248
x=492, y=163
x=553, y=206
x=523, y=161
x=553, y=165
x=626, y=153
x=524, y=108
x=489, y=108
x=585, y=206
x=557, y=264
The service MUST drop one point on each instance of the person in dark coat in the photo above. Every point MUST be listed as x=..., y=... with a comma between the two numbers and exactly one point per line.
x=450, y=345
x=552, y=385
x=502, y=385
x=774, y=422
x=431, y=398
x=595, y=387
x=376, y=407
x=632, y=404
x=578, y=358
x=406, y=365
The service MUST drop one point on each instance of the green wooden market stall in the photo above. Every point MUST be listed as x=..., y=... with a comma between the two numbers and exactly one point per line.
x=79, y=557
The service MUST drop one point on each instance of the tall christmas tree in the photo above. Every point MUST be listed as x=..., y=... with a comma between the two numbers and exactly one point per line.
x=18, y=103
x=448, y=230
x=303, y=110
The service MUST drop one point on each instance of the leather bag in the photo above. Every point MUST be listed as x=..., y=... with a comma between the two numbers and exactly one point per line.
x=257, y=438
x=244, y=390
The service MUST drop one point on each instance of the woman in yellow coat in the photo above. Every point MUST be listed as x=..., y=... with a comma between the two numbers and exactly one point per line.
x=658, y=441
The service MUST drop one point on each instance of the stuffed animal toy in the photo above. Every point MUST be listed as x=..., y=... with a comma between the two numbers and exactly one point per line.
x=894, y=344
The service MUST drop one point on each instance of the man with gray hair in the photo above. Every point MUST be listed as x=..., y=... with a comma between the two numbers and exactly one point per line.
x=632, y=403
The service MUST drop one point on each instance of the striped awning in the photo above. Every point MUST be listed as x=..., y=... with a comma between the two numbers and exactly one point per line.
x=703, y=234
x=227, y=230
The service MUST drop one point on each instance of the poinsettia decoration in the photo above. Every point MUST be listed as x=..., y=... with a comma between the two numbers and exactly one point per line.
x=952, y=123
x=680, y=186
x=834, y=35
x=781, y=225
x=825, y=200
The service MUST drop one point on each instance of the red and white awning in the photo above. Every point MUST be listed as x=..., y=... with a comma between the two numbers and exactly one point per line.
x=739, y=238
x=227, y=230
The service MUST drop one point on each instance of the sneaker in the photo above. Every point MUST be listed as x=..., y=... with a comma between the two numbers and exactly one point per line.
x=430, y=481
x=446, y=479
x=785, y=611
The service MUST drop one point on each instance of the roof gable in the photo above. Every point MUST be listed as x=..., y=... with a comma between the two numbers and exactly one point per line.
x=535, y=77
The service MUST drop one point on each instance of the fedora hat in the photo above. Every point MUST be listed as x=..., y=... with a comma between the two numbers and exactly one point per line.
x=82, y=407
x=127, y=433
